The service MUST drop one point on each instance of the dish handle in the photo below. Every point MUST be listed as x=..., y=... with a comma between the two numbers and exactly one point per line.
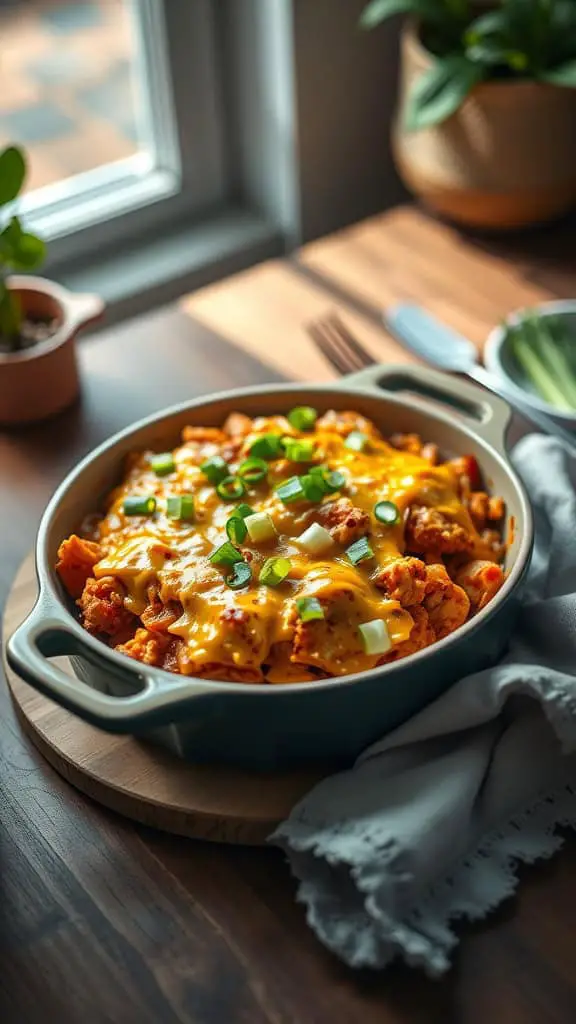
x=44, y=635
x=484, y=411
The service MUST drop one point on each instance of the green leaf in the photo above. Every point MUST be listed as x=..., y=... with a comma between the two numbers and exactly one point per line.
x=379, y=10
x=491, y=24
x=10, y=312
x=13, y=230
x=29, y=253
x=10, y=237
x=564, y=75
x=18, y=249
x=487, y=51
x=492, y=53
x=440, y=91
x=517, y=61
x=458, y=8
x=562, y=34
x=12, y=174
x=563, y=20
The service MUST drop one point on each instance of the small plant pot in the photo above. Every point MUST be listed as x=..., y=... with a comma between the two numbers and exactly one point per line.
x=39, y=381
x=506, y=159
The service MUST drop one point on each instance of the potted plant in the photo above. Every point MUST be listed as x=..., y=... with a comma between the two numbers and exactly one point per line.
x=39, y=320
x=486, y=126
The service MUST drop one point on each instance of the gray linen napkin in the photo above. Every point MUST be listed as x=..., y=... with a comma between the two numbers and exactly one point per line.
x=428, y=824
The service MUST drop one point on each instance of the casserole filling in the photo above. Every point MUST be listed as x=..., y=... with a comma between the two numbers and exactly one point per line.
x=285, y=549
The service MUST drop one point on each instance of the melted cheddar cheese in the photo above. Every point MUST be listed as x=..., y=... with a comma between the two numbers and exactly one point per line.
x=152, y=591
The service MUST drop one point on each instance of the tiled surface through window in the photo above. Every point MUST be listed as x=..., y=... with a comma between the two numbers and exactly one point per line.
x=67, y=84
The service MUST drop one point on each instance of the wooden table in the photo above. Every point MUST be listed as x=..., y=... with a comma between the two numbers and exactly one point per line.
x=103, y=921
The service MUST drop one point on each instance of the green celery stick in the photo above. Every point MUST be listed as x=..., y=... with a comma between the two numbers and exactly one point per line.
x=536, y=370
x=565, y=338
x=552, y=354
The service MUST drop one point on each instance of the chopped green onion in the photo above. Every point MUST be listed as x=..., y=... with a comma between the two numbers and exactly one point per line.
x=291, y=490
x=297, y=488
x=329, y=480
x=357, y=441
x=359, y=551
x=375, y=637
x=163, y=464
x=334, y=481
x=230, y=488
x=215, y=469
x=313, y=489
x=242, y=511
x=139, y=505
x=181, y=507
x=267, y=446
x=274, y=571
x=303, y=417
x=236, y=529
x=315, y=539
x=309, y=608
x=260, y=527
x=387, y=512
x=298, y=450
x=253, y=470
x=241, y=575
x=226, y=554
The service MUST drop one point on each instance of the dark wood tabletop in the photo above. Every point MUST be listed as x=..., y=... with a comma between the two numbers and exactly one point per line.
x=102, y=920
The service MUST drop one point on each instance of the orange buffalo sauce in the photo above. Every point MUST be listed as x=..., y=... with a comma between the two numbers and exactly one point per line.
x=257, y=629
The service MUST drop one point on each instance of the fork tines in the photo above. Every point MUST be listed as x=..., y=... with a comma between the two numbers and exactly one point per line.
x=338, y=345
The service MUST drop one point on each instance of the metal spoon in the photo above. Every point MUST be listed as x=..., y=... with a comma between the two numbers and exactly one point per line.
x=441, y=346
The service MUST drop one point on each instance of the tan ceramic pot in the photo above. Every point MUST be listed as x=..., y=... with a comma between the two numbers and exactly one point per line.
x=39, y=382
x=506, y=159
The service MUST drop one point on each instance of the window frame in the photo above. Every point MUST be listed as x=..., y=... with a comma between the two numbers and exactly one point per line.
x=282, y=131
x=183, y=173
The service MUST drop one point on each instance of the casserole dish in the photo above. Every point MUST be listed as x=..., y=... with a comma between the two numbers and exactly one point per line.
x=329, y=719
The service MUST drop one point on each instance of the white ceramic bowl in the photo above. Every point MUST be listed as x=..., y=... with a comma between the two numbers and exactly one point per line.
x=499, y=359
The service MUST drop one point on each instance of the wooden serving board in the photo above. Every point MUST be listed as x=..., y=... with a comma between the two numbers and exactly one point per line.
x=144, y=782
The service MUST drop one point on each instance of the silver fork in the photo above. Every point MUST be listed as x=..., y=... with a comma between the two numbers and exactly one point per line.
x=347, y=355
x=337, y=345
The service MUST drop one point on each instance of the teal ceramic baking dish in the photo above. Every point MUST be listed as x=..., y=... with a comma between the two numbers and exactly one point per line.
x=268, y=726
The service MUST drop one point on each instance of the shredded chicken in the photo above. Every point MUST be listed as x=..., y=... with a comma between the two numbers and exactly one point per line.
x=481, y=580
x=343, y=520
x=404, y=580
x=157, y=649
x=158, y=616
x=421, y=635
x=410, y=443
x=344, y=422
x=427, y=529
x=484, y=509
x=431, y=453
x=76, y=560
x=447, y=604
x=237, y=425
x=102, y=608
x=202, y=434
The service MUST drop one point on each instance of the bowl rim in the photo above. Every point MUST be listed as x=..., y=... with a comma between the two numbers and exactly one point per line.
x=495, y=341
x=49, y=595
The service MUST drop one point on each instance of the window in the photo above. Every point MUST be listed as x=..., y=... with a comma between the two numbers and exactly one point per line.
x=117, y=105
x=70, y=87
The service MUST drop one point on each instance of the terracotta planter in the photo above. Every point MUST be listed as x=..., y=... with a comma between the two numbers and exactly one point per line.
x=506, y=159
x=39, y=382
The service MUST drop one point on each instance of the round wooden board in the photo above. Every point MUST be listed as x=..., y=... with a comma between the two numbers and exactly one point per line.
x=144, y=782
